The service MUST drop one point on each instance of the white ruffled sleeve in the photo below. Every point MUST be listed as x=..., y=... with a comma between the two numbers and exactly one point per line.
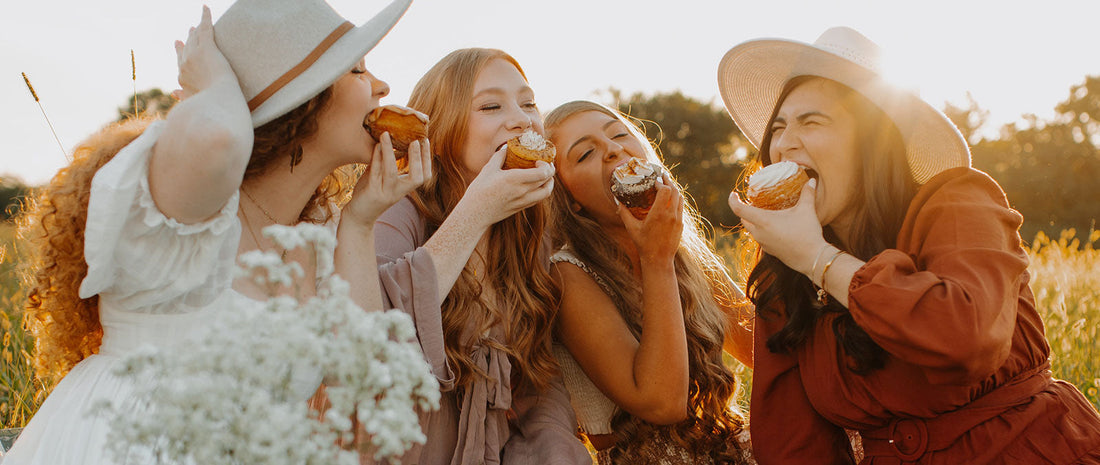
x=142, y=260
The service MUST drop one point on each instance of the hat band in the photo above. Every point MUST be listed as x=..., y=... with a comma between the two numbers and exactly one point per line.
x=306, y=62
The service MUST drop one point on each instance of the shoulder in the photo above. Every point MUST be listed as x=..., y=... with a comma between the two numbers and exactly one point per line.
x=960, y=185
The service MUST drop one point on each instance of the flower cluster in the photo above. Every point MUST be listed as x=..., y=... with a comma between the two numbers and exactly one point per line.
x=238, y=395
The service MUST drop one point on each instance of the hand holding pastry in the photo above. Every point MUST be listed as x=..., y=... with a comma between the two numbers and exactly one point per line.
x=405, y=126
x=498, y=193
x=382, y=185
x=793, y=235
x=657, y=234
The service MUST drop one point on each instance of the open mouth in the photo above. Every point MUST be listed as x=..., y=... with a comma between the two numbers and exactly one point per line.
x=813, y=174
x=502, y=144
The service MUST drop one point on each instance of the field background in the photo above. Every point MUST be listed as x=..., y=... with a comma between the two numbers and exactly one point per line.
x=1064, y=271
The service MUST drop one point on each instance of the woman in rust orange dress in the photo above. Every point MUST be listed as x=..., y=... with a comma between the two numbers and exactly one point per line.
x=893, y=299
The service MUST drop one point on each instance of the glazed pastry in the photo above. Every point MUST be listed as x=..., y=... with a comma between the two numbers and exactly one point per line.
x=526, y=149
x=634, y=184
x=776, y=186
x=405, y=125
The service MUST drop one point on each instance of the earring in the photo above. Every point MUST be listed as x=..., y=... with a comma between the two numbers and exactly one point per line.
x=576, y=207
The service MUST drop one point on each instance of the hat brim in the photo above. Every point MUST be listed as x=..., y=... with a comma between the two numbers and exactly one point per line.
x=751, y=76
x=344, y=54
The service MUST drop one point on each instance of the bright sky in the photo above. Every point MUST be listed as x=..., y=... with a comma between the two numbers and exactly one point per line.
x=1015, y=57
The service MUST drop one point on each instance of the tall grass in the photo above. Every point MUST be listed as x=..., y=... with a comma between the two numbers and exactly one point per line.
x=1065, y=276
x=20, y=392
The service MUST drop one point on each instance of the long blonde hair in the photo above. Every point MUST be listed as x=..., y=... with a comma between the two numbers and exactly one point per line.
x=704, y=285
x=66, y=328
x=516, y=253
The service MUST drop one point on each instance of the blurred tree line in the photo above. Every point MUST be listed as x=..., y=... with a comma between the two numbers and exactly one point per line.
x=1048, y=169
x=12, y=193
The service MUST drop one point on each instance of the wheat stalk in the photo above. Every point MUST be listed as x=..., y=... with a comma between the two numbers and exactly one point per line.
x=133, y=78
x=40, y=107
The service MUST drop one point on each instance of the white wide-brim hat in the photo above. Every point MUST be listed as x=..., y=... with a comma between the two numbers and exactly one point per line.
x=752, y=75
x=285, y=52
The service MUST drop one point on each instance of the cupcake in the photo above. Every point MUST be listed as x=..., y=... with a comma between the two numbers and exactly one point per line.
x=634, y=184
x=526, y=149
x=405, y=125
x=776, y=186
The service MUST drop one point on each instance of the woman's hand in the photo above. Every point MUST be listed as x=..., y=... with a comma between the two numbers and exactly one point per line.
x=200, y=158
x=794, y=235
x=201, y=64
x=497, y=193
x=381, y=186
x=658, y=236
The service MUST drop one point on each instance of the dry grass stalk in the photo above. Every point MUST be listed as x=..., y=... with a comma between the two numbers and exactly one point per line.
x=40, y=107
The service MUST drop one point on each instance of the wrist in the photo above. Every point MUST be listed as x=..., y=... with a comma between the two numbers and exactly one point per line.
x=816, y=256
x=657, y=262
x=355, y=225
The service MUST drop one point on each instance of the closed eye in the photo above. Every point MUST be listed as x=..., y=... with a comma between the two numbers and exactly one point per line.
x=584, y=155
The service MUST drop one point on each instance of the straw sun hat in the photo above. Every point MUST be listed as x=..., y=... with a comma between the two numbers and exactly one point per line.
x=752, y=75
x=285, y=52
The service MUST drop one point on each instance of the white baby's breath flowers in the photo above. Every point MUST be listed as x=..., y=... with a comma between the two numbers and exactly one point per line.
x=238, y=394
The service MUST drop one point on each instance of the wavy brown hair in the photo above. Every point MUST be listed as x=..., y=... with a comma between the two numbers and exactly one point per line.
x=516, y=255
x=66, y=328
x=885, y=189
x=705, y=287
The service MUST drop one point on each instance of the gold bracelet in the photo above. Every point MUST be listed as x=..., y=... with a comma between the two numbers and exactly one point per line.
x=813, y=269
x=822, y=294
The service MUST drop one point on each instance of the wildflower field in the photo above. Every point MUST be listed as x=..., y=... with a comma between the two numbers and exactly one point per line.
x=1065, y=274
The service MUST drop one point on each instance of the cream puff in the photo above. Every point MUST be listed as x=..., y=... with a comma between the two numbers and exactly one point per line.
x=634, y=185
x=526, y=149
x=776, y=186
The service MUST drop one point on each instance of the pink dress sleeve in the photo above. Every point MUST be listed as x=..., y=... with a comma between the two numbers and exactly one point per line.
x=951, y=306
x=408, y=281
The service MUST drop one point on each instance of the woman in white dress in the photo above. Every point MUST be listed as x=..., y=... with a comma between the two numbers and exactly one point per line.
x=270, y=114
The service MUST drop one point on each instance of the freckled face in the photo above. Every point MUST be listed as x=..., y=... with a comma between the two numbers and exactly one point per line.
x=340, y=128
x=815, y=130
x=591, y=144
x=503, y=106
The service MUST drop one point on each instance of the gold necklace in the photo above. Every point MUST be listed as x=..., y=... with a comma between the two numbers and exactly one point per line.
x=252, y=232
x=261, y=207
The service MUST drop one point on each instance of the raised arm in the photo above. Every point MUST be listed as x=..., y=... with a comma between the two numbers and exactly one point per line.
x=378, y=189
x=199, y=160
x=646, y=377
x=493, y=196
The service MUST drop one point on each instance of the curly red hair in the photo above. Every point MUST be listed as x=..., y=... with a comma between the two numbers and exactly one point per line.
x=66, y=328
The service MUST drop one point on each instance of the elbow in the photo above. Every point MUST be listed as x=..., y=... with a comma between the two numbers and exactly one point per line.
x=666, y=412
x=973, y=362
x=232, y=147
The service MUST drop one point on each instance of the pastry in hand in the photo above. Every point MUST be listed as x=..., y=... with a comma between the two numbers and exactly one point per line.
x=526, y=149
x=776, y=186
x=634, y=184
x=405, y=126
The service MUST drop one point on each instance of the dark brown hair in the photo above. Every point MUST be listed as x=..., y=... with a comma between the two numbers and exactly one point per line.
x=885, y=188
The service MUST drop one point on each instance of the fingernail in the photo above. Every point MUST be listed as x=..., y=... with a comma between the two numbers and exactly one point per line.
x=813, y=183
